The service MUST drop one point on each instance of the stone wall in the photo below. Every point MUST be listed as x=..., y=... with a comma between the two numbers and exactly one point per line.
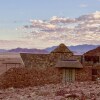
x=97, y=74
x=23, y=77
x=42, y=60
x=84, y=74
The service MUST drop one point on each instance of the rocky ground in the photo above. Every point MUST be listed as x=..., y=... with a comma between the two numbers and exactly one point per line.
x=80, y=91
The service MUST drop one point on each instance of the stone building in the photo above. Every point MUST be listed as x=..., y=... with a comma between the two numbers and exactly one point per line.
x=70, y=67
x=92, y=58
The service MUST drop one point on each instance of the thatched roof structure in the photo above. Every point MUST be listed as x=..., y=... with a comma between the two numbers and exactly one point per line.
x=72, y=58
x=62, y=48
x=94, y=52
x=69, y=64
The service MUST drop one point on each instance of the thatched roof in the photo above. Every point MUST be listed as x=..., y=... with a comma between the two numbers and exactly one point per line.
x=62, y=48
x=69, y=64
x=72, y=58
x=94, y=52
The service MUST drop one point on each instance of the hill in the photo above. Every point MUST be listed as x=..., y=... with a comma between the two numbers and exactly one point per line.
x=26, y=50
x=95, y=51
x=78, y=49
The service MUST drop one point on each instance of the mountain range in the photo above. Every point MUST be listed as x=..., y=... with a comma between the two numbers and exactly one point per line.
x=79, y=49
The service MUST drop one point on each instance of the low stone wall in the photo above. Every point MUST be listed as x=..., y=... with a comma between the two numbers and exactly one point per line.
x=22, y=77
x=84, y=74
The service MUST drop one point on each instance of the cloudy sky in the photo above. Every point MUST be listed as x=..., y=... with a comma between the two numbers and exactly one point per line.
x=45, y=23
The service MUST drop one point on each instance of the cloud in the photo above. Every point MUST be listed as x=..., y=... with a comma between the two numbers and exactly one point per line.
x=83, y=5
x=39, y=24
x=90, y=17
x=56, y=20
x=72, y=31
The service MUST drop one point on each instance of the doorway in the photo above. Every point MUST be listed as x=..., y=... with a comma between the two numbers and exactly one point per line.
x=68, y=75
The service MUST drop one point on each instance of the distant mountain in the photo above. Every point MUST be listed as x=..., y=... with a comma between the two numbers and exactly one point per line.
x=95, y=52
x=49, y=49
x=25, y=50
x=3, y=50
x=79, y=49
